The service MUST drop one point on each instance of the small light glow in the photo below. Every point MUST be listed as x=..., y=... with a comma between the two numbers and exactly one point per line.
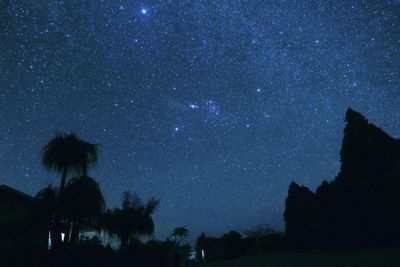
x=49, y=241
x=144, y=11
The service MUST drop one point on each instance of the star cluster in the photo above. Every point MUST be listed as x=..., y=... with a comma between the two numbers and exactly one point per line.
x=211, y=106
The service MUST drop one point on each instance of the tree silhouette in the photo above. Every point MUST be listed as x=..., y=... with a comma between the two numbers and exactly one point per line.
x=82, y=203
x=259, y=231
x=132, y=220
x=47, y=199
x=181, y=233
x=63, y=154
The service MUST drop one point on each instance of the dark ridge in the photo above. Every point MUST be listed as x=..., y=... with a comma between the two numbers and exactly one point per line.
x=361, y=206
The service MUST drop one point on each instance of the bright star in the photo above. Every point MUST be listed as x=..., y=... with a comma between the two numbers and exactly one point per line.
x=144, y=11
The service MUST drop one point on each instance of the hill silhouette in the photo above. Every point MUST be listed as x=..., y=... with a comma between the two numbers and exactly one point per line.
x=360, y=207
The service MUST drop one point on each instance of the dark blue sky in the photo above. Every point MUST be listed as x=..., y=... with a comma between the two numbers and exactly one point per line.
x=212, y=106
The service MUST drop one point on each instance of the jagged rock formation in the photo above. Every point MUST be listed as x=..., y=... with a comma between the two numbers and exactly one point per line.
x=361, y=207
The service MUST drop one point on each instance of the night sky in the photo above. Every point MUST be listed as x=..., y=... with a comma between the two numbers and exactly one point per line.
x=212, y=106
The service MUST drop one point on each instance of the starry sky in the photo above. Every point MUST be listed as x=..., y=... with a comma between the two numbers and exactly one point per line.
x=212, y=106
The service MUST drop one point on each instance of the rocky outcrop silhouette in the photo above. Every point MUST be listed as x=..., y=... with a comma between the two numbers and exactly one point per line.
x=361, y=206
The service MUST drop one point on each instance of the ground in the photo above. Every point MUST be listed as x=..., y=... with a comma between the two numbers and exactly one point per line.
x=355, y=258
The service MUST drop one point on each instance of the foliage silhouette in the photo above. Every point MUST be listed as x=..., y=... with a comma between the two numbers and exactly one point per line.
x=132, y=220
x=232, y=246
x=179, y=234
x=259, y=230
x=66, y=152
x=229, y=246
x=179, y=252
x=82, y=203
x=259, y=238
x=63, y=154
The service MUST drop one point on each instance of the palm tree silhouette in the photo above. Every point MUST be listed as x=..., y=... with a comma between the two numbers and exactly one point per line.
x=63, y=154
x=82, y=204
x=66, y=152
x=132, y=220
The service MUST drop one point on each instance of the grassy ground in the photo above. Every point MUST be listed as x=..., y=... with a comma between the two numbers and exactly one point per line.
x=360, y=258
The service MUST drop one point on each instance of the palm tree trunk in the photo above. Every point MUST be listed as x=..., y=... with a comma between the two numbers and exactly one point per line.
x=52, y=232
x=56, y=239
x=74, y=233
x=124, y=241
x=67, y=239
x=63, y=179
x=56, y=235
